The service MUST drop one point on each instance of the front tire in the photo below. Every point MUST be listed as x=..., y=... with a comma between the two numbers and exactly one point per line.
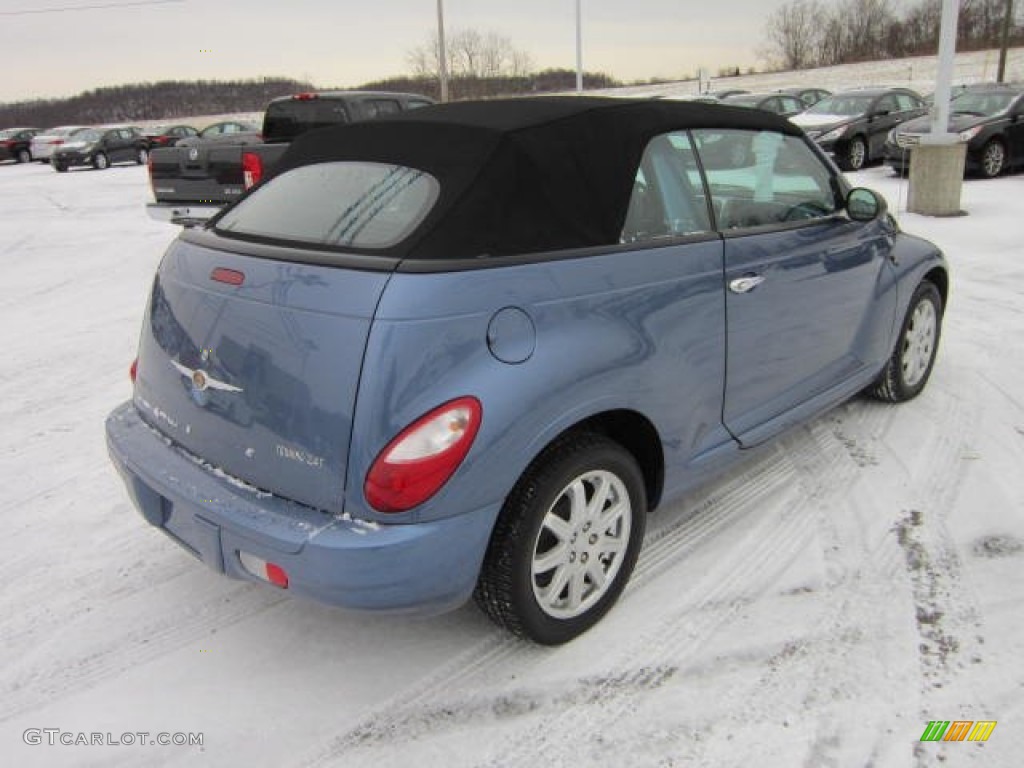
x=100, y=161
x=910, y=366
x=566, y=540
x=856, y=155
x=23, y=156
x=993, y=159
x=142, y=156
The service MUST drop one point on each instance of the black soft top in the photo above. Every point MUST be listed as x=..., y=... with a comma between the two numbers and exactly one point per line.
x=520, y=175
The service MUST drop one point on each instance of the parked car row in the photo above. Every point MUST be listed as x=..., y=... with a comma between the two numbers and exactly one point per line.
x=67, y=146
x=865, y=125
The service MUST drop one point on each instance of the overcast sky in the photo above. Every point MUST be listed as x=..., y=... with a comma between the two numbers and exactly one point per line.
x=346, y=43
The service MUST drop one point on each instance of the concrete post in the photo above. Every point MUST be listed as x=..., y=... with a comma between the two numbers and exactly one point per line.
x=937, y=163
x=936, y=178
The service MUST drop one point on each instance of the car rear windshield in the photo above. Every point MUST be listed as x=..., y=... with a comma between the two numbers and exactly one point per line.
x=285, y=120
x=982, y=102
x=340, y=204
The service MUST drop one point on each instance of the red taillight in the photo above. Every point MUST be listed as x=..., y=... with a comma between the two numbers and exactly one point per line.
x=133, y=372
x=229, y=276
x=252, y=169
x=57, y=142
x=415, y=465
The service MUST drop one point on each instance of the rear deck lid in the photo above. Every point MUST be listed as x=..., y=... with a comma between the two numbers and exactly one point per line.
x=252, y=365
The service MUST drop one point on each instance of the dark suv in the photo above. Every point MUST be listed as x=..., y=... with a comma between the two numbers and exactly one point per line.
x=852, y=125
x=101, y=147
x=14, y=144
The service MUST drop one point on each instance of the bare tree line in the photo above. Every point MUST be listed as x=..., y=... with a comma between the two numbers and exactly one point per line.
x=817, y=33
x=167, y=99
x=470, y=54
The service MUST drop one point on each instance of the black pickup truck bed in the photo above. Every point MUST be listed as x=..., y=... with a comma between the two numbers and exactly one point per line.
x=192, y=183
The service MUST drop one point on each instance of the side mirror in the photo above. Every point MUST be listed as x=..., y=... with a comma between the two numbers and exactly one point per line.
x=865, y=204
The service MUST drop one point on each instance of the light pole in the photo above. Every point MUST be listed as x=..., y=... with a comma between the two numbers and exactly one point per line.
x=579, y=49
x=442, y=53
x=1004, y=40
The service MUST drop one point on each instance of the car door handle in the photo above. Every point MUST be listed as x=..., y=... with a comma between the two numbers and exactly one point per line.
x=746, y=283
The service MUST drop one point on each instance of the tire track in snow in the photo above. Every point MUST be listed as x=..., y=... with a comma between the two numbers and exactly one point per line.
x=812, y=673
x=428, y=706
x=766, y=552
x=714, y=597
x=713, y=600
x=947, y=614
x=143, y=636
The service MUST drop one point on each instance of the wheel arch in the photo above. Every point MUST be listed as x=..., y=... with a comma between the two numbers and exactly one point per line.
x=634, y=432
x=940, y=279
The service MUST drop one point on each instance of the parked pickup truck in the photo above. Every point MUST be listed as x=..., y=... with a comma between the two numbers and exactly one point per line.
x=192, y=183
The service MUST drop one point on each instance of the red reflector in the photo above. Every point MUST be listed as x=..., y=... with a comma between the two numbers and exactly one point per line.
x=252, y=169
x=229, y=276
x=133, y=372
x=277, y=576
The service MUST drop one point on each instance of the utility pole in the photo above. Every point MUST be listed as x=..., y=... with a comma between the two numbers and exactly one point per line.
x=442, y=52
x=579, y=49
x=1004, y=43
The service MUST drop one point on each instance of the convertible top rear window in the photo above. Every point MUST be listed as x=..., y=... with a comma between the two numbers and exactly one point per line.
x=342, y=204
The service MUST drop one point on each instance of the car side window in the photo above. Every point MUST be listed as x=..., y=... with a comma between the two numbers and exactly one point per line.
x=763, y=178
x=887, y=104
x=666, y=201
x=379, y=107
x=906, y=102
x=791, y=104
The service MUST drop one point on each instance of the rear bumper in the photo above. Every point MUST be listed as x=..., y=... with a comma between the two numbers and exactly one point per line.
x=184, y=214
x=417, y=568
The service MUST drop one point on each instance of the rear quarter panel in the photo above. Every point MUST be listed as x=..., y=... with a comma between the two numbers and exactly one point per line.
x=639, y=330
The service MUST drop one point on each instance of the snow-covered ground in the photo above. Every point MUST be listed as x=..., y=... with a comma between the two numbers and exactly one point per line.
x=816, y=608
x=917, y=72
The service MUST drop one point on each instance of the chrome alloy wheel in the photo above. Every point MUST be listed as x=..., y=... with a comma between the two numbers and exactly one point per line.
x=919, y=343
x=581, y=544
x=993, y=158
x=858, y=154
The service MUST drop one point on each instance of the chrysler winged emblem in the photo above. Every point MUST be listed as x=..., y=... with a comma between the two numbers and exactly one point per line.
x=201, y=380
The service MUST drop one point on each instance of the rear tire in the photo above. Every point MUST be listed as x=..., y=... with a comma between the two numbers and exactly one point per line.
x=142, y=156
x=23, y=156
x=100, y=161
x=910, y=365
x=60, y=168
x=566, y=540
x=856, y=155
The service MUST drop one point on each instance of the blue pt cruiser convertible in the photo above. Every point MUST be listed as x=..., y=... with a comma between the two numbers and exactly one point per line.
x=466, y=350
